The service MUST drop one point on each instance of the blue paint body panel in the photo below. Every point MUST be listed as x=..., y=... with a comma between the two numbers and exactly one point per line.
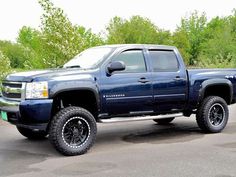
x=121, y=93
x=36, y=111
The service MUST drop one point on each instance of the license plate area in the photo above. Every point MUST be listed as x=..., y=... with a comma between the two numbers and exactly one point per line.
x=4, y=116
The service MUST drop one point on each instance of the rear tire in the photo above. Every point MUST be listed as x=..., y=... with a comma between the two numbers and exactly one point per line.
x=73, y=131
x=164, y=121
x=33, y=135
x=212, y=116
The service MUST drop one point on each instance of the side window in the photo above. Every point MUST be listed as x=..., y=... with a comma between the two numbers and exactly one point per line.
x=133, y=59
x=164, y=61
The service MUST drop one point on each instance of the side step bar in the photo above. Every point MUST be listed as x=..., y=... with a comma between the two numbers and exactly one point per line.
x=128, y=119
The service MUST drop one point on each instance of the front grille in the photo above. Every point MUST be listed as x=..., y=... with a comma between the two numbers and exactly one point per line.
x=12, y=90
x=12, y=84
x=11, y=95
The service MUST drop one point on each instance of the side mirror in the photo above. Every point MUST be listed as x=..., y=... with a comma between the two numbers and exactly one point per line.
x=116, y=66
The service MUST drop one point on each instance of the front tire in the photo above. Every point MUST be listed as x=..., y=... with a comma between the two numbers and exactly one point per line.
x=212, y=116
x=73, y=131
x=30, y=134
x=164, y=121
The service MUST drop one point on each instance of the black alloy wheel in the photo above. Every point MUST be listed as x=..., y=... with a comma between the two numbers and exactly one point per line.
x=216, y=114
x=75, y=131
x=213, y=114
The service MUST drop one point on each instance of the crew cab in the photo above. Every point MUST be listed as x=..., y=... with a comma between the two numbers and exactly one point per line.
x=114, y=83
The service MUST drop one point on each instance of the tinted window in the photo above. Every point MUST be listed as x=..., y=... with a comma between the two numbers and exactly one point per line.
x=164, y=60
x=133, y=59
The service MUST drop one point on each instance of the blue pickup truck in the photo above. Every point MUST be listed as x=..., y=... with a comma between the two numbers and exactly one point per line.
x=114, y=83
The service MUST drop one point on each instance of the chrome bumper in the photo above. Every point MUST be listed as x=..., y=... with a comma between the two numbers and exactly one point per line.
x=9, y=105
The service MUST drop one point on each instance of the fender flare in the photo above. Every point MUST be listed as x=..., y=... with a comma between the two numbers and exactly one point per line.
x=75, y=86
x=215, y=82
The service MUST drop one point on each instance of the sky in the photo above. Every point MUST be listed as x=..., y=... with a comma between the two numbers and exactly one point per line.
x=96, y=14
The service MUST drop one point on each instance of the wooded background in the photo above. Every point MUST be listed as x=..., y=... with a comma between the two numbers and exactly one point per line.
x=202, y=42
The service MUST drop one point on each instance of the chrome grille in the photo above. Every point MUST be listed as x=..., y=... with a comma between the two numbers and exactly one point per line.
x=12, y=90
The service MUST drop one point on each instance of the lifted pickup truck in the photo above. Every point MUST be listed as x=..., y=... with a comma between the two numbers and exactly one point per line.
x=110, y=84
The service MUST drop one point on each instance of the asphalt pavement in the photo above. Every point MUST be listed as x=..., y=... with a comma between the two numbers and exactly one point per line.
x=134, y=149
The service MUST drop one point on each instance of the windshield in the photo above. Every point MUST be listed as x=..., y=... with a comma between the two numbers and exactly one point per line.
x=89, y=58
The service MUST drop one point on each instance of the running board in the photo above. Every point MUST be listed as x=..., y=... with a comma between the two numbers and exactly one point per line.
x=128, y=119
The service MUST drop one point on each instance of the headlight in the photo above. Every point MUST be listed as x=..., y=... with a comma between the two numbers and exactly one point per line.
x=36, y=90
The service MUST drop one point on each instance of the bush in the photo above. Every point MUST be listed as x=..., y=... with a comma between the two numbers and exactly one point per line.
x=218, y=61
x=4, y=65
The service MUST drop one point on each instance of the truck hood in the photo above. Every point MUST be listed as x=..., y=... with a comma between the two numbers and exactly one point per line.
x=45, y=75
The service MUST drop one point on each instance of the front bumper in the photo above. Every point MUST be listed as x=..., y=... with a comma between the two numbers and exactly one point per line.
x=8, y=105
x=32, y=114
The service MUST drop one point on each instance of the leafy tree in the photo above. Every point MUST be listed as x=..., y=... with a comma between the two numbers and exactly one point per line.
x=201, y=43
x=89, y=39
x=115, y=31
x=4, y=65
x=182, y=42
x=135, y=30
x=32, y=40
x=57, y=41
x=59, y=34
x=220, y=48
x=232, y=19
x=16, y=53
x=30, y=37
x=192, y=32
x=164, y=37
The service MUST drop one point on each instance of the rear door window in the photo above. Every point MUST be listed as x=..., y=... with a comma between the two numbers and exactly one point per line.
x=163, y=61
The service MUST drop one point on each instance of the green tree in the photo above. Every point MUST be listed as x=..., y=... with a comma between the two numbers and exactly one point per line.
x=201, y=43
x=232, y=19
x=4, y=65
x=32, y=40
x=182, y=42
x=89, y=39
x=135, y=30
x=30, y=37
x=220, y=48
x=192, y=32
x=57, y=41
x=60, y=36
x=16, y=53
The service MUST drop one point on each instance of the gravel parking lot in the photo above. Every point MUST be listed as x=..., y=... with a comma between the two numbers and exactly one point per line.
x=127, y=149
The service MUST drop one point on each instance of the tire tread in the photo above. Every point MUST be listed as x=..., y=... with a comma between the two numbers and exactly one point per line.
x=202, y=114
x=53, y=133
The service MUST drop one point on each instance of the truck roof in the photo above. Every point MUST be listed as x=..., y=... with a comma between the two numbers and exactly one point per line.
x=148, y=46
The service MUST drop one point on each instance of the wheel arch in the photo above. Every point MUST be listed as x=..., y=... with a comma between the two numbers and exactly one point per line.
x=75, y=94
x=217, y=87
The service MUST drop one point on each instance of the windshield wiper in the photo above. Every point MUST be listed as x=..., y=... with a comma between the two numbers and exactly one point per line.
x=74, y=66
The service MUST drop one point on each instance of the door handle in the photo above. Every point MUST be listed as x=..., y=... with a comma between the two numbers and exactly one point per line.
x=143, y=80
x=178, y=78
